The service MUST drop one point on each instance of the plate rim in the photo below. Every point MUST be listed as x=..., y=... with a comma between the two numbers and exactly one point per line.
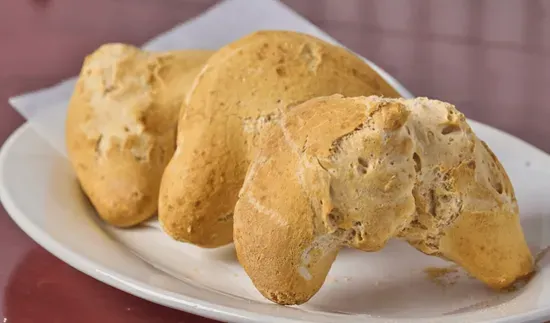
x=153, y=294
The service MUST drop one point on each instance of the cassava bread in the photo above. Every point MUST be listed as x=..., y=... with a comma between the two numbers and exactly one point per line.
x=240, y=91
x=356, y=172
x=121, y=126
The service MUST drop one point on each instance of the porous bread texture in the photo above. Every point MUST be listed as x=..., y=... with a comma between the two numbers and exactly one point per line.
x=241, y=91
x=357, y=172
x=121, y=126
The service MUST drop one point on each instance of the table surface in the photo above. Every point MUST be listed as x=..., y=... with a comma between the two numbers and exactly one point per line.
x=489, y=57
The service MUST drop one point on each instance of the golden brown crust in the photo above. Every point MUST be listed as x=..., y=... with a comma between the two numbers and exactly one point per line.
x=121, y=126
x=358, y=171
x=284, y=235
x=241, y=90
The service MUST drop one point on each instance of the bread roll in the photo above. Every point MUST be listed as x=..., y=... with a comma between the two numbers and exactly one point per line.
x=359, y=171
x=241, y=90
x=121, y=126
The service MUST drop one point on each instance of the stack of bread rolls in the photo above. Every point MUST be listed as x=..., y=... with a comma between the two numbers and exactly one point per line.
x=291, y=148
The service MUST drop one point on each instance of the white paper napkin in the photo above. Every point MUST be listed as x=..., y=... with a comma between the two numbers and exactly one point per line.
x=227, y=21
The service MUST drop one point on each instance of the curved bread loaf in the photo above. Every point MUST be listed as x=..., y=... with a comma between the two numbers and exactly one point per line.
x=358, y=171
x=240, y=91
x=121, y=126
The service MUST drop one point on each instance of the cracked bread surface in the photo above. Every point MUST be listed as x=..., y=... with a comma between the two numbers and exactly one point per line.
x=121, y=126
x=359, y=171
x=240, y=92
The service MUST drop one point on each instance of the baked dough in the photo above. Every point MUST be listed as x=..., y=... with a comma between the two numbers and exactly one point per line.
x=359, y=171
x=240, y=91
x=121, y=126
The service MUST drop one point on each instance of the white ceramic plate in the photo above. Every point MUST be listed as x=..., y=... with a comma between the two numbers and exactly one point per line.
x=40, y=192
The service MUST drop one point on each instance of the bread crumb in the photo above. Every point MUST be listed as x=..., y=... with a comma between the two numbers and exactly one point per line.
x=331, y=280
x=443, y=276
